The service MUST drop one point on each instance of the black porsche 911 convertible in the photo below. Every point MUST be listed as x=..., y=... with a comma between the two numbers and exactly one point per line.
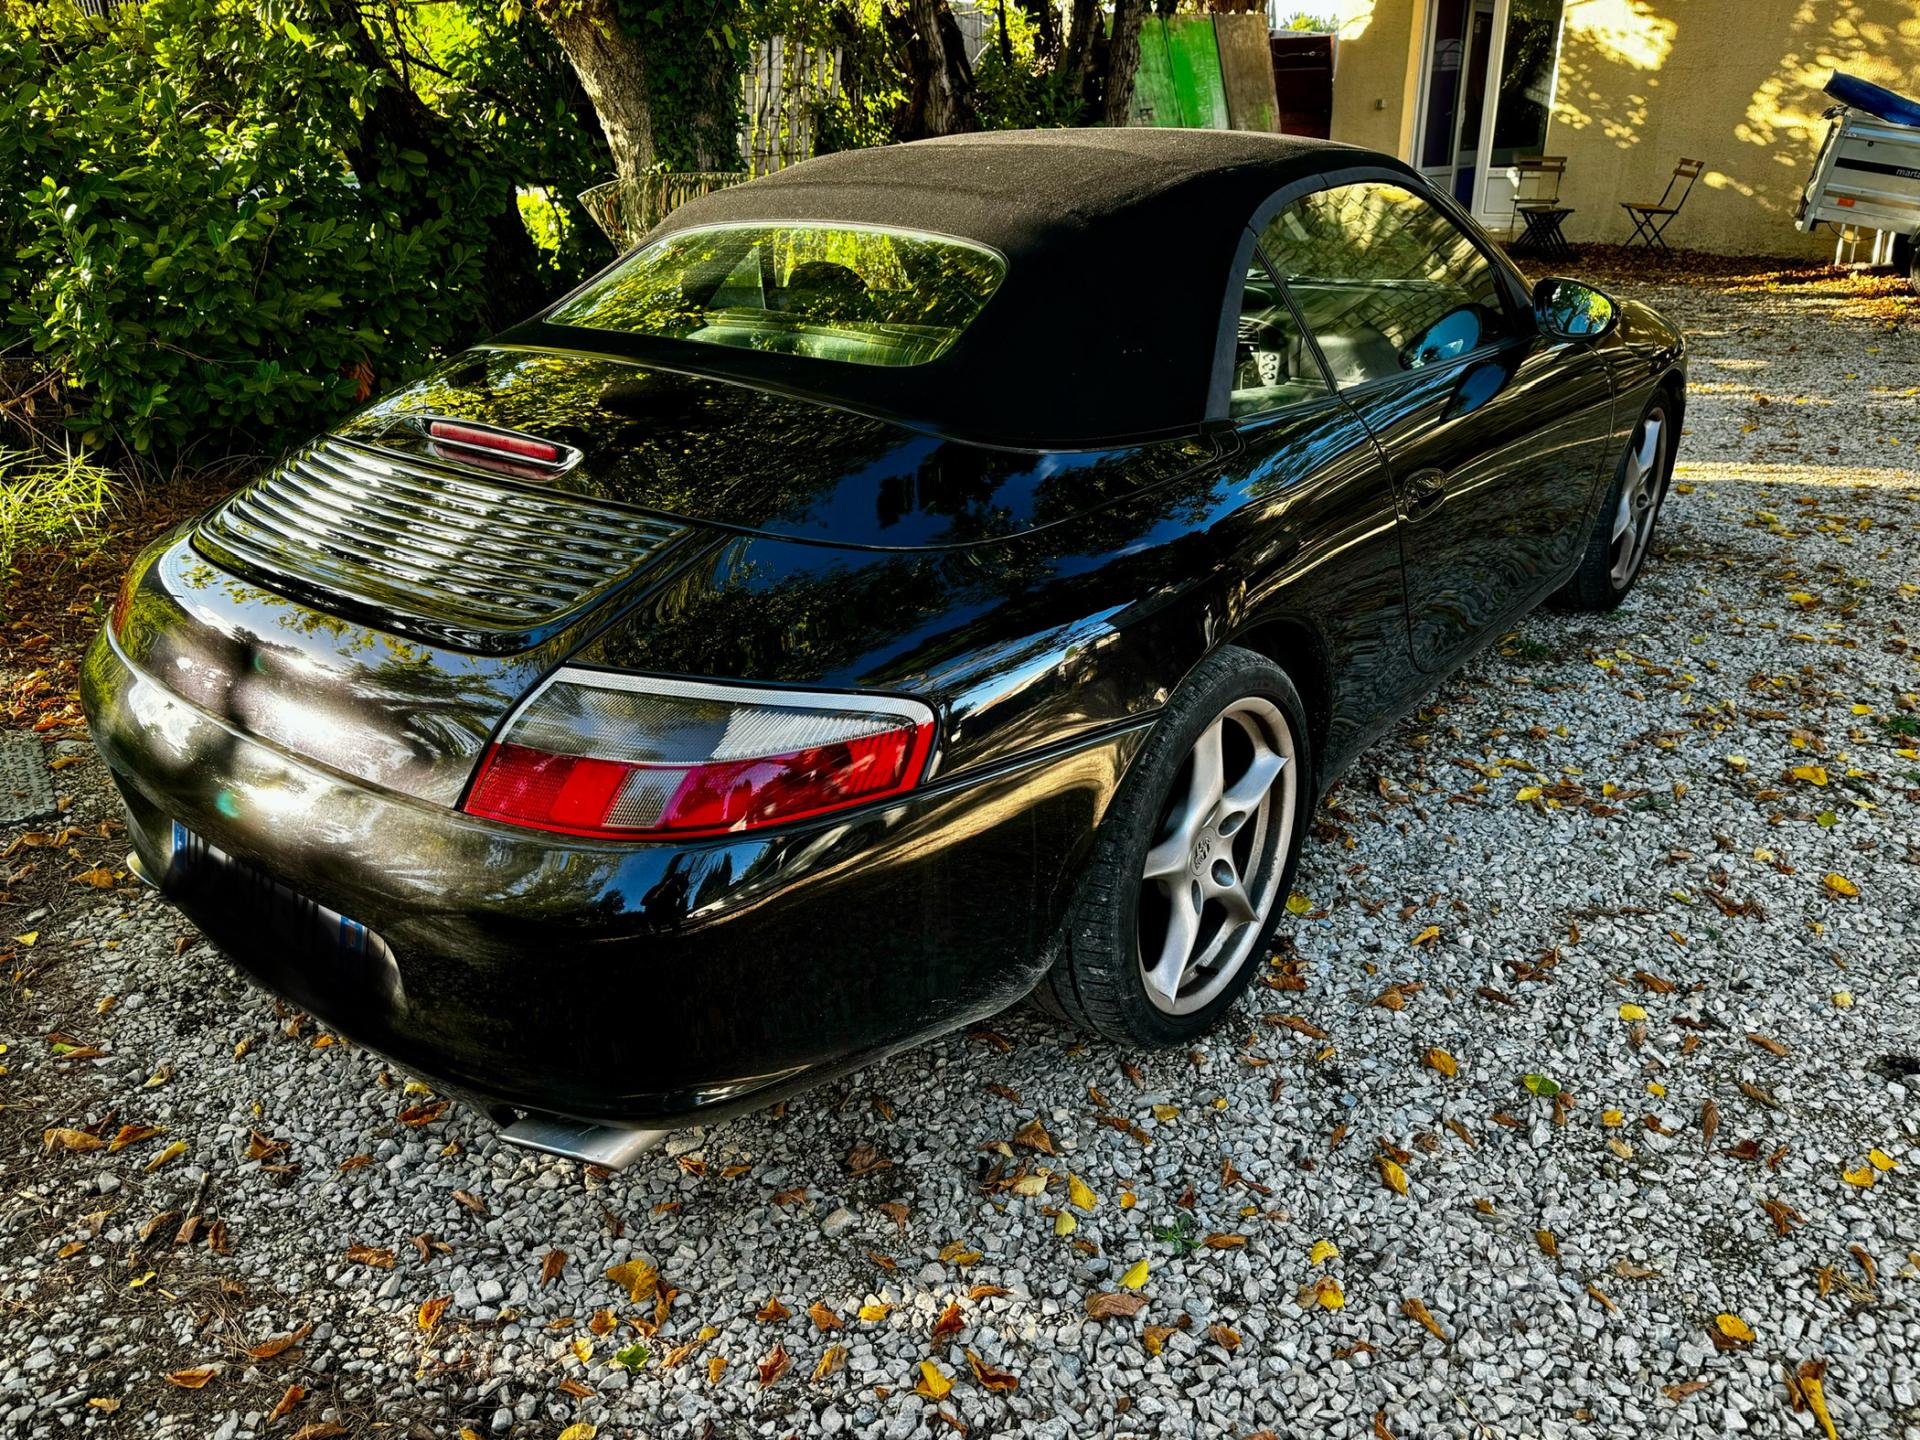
x=925, y=575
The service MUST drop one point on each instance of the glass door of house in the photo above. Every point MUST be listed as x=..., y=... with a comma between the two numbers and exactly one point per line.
x=1472, y=126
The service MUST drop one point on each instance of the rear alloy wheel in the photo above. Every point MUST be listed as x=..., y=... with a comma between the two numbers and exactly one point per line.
x=1181, y=898
x=1617, y=549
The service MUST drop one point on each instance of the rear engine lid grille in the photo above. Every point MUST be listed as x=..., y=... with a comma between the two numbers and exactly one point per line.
x=467, y=558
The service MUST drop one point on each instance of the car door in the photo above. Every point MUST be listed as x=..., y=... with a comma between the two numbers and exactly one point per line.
x=1494, y=433
x=1319, y=550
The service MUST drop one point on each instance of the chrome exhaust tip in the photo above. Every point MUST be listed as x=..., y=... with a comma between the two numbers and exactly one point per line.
x=137, y=868
x=611, y=1147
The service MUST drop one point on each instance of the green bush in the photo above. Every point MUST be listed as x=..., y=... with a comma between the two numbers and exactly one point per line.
x=183, y=238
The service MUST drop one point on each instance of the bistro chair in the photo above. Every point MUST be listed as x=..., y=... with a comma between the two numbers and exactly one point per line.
x=1649, y=221
x=1537, y=211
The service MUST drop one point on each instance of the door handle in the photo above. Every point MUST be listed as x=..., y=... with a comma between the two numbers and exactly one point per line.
x=1423, y=493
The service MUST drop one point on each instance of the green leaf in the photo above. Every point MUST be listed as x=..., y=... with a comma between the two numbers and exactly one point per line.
x=1543, y=1086
x=633, y=1357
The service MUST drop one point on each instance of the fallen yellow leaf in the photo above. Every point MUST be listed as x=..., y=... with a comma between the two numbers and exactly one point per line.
x=1631, y=1011
x=1080, y=1193
x=1298, y=904
x=1136, y=1275
x=932, y=1383
x=1863, y=1176
x=1323, y=1251
x=636, y=1277
x=874, y=1311
x=1841, y=885
x=1734, y=1328
x=1432, y=932
x=1880, y=1160
x=580, y=1430
x=1527, y=792
x=1812, y=774
x=1064, y=1223
x=1443, y=1062
x=172, y=1152
x=1392, y=1176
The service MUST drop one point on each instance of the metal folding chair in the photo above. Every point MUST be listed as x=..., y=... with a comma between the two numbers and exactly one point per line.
x=1649, y=221
x=1537, y=211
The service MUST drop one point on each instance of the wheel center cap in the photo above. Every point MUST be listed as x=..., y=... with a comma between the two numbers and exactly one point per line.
x=1202, y=851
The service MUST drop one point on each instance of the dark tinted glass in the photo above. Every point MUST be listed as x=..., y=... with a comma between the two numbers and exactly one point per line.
x=865, y=296
x=1387, y=283
x=1273, y=364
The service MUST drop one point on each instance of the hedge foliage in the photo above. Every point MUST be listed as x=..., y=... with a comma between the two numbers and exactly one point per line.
x=184, y=238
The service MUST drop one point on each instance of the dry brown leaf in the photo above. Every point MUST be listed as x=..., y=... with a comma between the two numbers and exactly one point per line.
x=823, y=1318
x=424, y=1113
x=62, y=1138
x=1548, y=1243
x=1415, y=1310
x=1783, y=1215
x=551, y=1264
x=951, y=1322
x=777, y=1363
x=293, y=1396
x=1107, y=1305
x=1219, y=1241
x=193, y=1379
x=864, y=1159
x=989, y=1377
x=1034, y=1136
x=771, y=1311
x=1225, y=1336
x=1299, y=1024
x=1709, y=1123
x=132, y=1135
x=470, y=1201
x=280, y=1344
x=832, y=1360
x=263, y=1147
x=1437, y=1059
x=1758, y=1094
x=1684, y=1389
x=374, y=1257
x=321, y=1430
x=1769, y=1044
x=428, y=1316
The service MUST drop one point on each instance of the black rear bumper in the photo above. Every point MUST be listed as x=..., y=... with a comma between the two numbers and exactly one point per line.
x=643, y=984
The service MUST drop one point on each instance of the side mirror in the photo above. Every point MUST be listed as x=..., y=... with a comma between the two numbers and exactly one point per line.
x=1568, y=310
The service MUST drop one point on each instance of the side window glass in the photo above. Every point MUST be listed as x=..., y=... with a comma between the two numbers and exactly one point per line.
x=1387, y=283
x=1272, y=363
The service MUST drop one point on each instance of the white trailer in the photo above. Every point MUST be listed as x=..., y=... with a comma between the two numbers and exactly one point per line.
x=1868, y=178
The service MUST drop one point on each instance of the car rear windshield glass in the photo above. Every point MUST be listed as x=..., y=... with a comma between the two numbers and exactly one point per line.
x=828, y=292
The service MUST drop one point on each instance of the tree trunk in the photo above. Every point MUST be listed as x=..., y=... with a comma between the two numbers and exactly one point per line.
x=398, y=119
x=1123, y=59
x=1082, y=60
x=612, y=70
x=950, y=108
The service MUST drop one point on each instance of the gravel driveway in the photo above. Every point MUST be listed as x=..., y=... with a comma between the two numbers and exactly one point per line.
x=1666, y=862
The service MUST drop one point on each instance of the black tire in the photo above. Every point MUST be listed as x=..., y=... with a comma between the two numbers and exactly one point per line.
x=1906, y=258
x=1097, y=981
x=1599, y=584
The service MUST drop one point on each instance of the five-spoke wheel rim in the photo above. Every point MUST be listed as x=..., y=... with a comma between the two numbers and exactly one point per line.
x=1219, y=849
x=1639, y=497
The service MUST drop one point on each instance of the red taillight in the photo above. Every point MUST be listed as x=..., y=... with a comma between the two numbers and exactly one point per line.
x=621, y=757
x=499, y=442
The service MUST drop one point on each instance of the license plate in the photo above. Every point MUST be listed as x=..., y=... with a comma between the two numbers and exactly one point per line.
x=248, y=901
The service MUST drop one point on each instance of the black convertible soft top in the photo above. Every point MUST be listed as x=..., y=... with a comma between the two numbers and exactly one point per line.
x=1119, y=246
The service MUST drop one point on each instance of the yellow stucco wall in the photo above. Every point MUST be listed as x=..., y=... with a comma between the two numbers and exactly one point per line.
x=1735, y=83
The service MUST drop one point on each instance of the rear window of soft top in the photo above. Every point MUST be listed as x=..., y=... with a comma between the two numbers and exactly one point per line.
x=862, y=295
